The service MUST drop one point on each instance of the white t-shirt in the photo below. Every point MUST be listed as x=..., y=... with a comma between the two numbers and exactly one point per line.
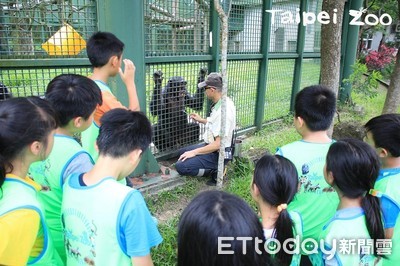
x=213, y=125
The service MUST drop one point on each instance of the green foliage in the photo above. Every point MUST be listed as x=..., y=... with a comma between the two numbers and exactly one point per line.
x=166, y=253
x=367, y=86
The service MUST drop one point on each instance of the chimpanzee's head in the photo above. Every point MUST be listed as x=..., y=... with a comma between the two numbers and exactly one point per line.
x=175, y=93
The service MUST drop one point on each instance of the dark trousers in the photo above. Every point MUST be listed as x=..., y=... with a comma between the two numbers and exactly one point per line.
x=200, y=165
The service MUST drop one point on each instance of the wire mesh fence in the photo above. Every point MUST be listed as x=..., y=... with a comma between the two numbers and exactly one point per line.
x=48, y=38
x=176, y=27
x=26, y=27
x=172, y=95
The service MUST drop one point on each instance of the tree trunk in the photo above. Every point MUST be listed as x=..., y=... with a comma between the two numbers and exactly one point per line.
x=224, y=56
x=331, y=38
x=392, y=101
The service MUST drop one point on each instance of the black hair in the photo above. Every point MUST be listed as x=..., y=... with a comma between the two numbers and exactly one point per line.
x=72, y=96
x=123, y=131
x=214, y=214
x=385, y=130
x=23, y=121
x=277, y=180
x=355, y=167
x=101, y=46
x=316, y=105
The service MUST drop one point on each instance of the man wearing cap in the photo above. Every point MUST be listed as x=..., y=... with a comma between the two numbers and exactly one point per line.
x=202, y=159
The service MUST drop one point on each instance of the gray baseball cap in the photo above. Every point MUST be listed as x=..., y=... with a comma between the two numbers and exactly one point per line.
x=214, y=79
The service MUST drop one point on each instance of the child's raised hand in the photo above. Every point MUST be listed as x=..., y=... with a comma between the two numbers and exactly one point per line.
x=128, y=75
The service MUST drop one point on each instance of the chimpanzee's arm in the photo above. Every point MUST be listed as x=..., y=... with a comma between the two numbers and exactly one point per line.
x=155, y=104
x=196, y=100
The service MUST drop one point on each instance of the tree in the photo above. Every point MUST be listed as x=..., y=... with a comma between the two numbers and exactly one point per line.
x=224, y=55
x=377, y=7
x=330, y=45
x=392, y=101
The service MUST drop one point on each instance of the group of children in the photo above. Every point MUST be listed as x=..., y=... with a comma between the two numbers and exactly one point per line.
x=60, y=202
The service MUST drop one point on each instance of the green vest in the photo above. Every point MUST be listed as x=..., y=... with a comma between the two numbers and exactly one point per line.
x=90, y=229
x=19, y=195
x=316, y=201
x=356, y=229
x=388, y=183
x=89, y=136
x=49, y=173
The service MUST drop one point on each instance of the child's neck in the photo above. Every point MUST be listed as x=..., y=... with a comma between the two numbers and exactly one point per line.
x=64, y=131
x=391, y=162
x=346, y=202
x=105, y=167
x=316, y=136
x=269, y=215
x=100, y=74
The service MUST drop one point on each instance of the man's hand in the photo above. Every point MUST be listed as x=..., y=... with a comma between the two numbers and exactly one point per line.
x=187, y=155
x=128, y=75
x=196, y=117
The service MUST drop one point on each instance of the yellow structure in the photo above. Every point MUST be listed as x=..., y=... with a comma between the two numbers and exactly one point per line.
x=66, y=41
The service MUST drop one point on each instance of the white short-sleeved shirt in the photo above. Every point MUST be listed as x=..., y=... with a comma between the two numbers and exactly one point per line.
x=213, y=125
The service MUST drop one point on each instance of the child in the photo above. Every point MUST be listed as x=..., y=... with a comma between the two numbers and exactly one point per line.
x=26, y=136
x=274, y=185
x=383, y=134
x=351, y=169
x=210, y=231
x=74, y=98
x=104, y=50
x=314, y=108
x=107, y=223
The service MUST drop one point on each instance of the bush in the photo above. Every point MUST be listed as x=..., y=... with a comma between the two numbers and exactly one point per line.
x=378, y=60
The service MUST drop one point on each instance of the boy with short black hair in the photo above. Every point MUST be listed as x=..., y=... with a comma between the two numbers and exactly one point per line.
x=316, y=201
x=383, y=134
x=74, y=97
x=116, y=222
x=104, y=51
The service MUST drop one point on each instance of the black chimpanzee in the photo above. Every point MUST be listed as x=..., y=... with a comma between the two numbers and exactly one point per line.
x=173, y=129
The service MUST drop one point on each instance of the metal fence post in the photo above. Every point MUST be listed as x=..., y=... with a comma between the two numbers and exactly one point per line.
x=350, y=52
x=125, y=19
x=299, y=60
x=263, y=69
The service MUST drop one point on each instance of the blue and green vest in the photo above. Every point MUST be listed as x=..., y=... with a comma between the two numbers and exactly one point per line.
x=18, y=195
x=49, y=174
x=350, y=228
x=84, y=242
x=388, y=183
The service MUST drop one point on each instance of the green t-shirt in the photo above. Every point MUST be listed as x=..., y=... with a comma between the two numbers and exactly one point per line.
x=316, y=200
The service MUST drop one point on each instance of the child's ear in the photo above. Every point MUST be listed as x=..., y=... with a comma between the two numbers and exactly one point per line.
x=114, y=61
x=329, y=178
x=254, y=190
x=135, y=156
x=383, y=153
x=300, y=121
x=78, y=121
x=36, y=148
